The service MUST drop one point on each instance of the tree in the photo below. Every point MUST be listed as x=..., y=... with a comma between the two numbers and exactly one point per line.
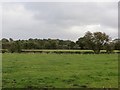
x=88, y=41
x=53, y=44
x=109, y=47
x=81, y=43
x=12, y=48
x=4, y=40
x=5, y=43
x=18, y=46
x=11, y=40
x=96, y=40
x=72, y=44
x=15, y=47
x=117, y=44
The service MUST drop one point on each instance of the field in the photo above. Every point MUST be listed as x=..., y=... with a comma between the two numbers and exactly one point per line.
x=27, y=70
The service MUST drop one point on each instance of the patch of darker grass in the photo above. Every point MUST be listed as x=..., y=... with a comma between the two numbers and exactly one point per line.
x=74, y=76
x=84, y=86
x=79, y=85
x=69, y=80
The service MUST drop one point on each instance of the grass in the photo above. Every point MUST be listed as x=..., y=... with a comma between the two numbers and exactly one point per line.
x=60, y=70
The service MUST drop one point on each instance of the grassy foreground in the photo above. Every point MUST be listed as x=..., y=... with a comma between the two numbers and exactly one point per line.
x=60, y=70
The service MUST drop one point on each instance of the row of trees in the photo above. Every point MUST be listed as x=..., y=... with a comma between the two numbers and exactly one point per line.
x=92, y=41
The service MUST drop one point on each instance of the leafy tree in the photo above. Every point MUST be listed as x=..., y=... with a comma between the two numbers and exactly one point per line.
x=96, y=40
x=109, y=47
x=88, y=40
x=18, y=46
x=15, y=47
x=116, y=44
x=11, y=40
x=81, y=43
x=72, y=44
x=5, y=43
x=4, y=40
x=12, y=48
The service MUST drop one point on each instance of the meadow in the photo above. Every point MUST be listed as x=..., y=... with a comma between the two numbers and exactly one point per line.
x=26, y=70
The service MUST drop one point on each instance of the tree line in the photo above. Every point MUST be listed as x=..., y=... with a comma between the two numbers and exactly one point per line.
x=95, y=41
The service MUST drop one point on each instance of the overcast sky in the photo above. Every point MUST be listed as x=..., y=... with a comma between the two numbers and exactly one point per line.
x=68, y=20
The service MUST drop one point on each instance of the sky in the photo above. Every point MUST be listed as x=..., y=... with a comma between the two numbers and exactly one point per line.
x=58, y=20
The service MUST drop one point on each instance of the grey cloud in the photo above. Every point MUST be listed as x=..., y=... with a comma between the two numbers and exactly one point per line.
x=53, y=20
x=76, y=13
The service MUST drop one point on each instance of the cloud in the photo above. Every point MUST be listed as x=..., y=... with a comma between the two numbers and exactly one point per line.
x=59, y=20
x=18, y=22
x=76, y=13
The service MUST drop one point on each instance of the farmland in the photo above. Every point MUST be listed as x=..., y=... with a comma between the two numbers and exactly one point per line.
x=26, y=70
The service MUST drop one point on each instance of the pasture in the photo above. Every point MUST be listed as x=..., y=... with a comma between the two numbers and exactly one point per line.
x=27, y=70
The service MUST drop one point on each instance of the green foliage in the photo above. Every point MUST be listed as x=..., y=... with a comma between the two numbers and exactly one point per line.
x=90, y=41
x=60, y=70
x=116, y=44
x=15, y=47
x=94, y=41
x=4, y=40
x=4, y=50
x=81, y=43
x=109, y=47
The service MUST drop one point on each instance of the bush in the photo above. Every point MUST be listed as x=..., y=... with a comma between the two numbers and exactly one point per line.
x=4, y=50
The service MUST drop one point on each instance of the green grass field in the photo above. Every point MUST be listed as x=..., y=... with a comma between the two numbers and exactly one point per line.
x=60, y=70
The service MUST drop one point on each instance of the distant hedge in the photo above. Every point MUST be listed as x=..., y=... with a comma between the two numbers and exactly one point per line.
x=67, y=51
x=62, y=51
